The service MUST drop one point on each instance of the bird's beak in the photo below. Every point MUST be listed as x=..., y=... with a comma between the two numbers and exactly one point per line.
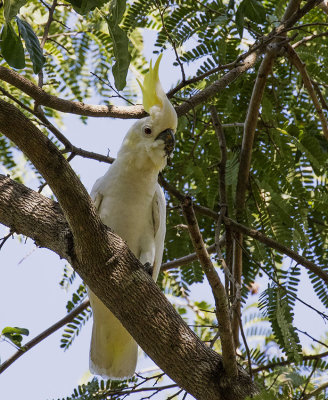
x=168, y=138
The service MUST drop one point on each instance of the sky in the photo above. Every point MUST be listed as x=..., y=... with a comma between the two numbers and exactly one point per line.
x=30, y=295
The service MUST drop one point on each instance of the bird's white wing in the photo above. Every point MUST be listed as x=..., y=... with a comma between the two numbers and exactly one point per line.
x=96, y=194
x=159, y=221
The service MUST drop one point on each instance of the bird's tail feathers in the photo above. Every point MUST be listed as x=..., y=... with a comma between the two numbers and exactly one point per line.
x=113, y=351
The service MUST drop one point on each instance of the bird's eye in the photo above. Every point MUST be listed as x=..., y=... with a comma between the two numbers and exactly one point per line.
x=147, y=130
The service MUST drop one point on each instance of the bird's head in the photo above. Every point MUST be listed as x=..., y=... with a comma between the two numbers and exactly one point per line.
x=151, y=139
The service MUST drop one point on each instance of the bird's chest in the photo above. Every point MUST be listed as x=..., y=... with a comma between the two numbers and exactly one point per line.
x=129, y=213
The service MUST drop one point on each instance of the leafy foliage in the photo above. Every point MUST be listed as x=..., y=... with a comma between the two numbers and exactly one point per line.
x=32, y=44
x=120, y=43
x=14, y=334
x=73, y=328
x=98, y=389
x=274, y=304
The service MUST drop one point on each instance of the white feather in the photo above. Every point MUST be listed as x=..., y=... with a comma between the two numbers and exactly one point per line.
x=130, y=201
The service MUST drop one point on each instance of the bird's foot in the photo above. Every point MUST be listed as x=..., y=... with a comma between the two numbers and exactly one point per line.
x=148, y=268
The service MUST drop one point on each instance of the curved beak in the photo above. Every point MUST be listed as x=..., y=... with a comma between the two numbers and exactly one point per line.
x=168, y=138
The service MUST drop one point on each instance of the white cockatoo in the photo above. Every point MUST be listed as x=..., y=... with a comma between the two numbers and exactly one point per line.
x=130, y=201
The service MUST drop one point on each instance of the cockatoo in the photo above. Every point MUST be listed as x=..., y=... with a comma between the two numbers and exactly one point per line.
x=130, y=201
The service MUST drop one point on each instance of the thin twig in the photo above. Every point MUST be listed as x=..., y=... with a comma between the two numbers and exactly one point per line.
x=249, y=359
x=201, y=77
x=312, y=338
x=302, y=396
x=244, y=168
x=307, y=39
x=5, y=238
x=145, y=389
x=279, y=247
x=287, y=362
x=112, y=88
x=69, y=147
x=188, y=258
x=316, y=391
x=301, y=67
x=215, y=338
x=222, y=200
x=275, y=280
x=237, y=227
x=320, y=95
x=174, y=395
x=69, y=317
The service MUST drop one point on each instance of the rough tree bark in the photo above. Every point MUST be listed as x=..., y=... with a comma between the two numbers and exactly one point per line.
x=107, y=266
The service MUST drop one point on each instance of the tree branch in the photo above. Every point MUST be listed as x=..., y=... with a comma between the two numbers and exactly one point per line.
x=29, y=345
x=301, y=67
x=316, y=391
x=219, y=293
x=237, y=227
x=34, y=215
x=279, y=247
x=307, y=39
x=223, y=203
x=186, y=259
x=244, y=168
x=113, y=273
x=48, y=100
x=287, y=362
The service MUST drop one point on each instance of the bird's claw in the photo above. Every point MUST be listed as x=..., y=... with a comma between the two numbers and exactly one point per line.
x=148, y=268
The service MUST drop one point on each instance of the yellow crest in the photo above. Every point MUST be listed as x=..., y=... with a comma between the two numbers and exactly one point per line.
x=151, y=81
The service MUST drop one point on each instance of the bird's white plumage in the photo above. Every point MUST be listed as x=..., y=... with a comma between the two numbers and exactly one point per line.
x=130, y=201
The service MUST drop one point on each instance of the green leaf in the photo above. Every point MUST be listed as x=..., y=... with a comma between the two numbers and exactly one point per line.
x=120, y=44
x=32, y=44
x=11, y=8
x=240, y=15
x=84, y=6
x=12, y=48
x=117, y=9
x=15, y=329
x=251, y=9
x=254, y=10
x=14, y=334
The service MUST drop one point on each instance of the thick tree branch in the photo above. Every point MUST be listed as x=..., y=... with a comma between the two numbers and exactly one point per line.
x=34, y=215
x=244, y=168
x=29, y=213
x=297, y=62
x=219, y=293
x=45, y=99
x=114, y=274
x=29, y=345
